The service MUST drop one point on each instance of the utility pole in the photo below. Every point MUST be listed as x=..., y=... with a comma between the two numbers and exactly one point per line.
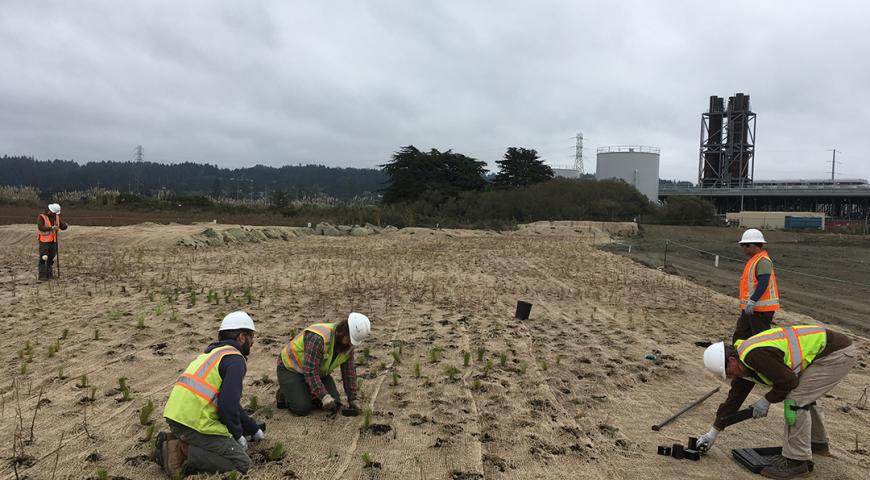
x=578, y=154
x=833, y=161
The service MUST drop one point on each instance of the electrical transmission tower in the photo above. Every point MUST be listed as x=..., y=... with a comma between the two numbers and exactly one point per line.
x=140, y=153
x=578, y=154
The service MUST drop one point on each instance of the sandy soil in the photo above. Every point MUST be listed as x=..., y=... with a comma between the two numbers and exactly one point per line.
x=574, y=396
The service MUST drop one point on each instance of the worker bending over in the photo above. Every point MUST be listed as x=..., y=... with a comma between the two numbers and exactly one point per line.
x=801, y=364
x=204, y=412
x=306, y=362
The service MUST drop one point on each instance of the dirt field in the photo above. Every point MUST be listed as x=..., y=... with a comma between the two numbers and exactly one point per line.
x=566, y=394
x=801, y=259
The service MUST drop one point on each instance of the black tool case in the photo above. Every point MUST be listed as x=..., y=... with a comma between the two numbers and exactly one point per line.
x=755, y=459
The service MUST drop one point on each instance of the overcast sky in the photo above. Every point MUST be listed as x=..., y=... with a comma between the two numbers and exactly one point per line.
x=346, y=83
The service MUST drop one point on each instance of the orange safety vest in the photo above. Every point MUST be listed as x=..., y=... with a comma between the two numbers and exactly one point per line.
x=769, y=300
x=47, y=237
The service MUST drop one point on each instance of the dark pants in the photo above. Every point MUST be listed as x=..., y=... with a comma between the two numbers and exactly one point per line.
x=749, y=325
x=210, y=453
x=297, y=395
x=45, y=266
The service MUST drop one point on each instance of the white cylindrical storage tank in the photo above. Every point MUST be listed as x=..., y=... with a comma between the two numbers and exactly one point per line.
x=637, y=165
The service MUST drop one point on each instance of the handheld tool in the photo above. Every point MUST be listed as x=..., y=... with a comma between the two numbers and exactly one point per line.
x=685, y=409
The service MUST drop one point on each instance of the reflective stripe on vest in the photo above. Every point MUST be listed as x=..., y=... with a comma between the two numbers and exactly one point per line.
x=46, y=237
x=800, y=345
x=193, y=399
x=769, y=300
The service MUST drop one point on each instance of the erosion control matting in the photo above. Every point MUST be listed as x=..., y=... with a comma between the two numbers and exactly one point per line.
x=755, y=459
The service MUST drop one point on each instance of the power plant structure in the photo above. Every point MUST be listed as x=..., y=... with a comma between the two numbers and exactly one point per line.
x=727, y=143
x=636, y=165
x=726, y=170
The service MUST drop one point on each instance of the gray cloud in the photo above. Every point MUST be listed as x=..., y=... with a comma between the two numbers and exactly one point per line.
x=347, y=83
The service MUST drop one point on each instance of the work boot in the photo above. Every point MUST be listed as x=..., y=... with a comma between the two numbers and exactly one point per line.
x=821, y=448
x=783, y=467
x=170, y=453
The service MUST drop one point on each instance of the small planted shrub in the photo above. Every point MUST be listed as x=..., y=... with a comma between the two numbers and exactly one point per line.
x=140, y=321
x=96, y=334
x=367, y=418
x=488, y=367
x=191, y=298
x=278, y=452
x=395, y=380
x=480, y=352
x=253, y=403
x=417, y=370
x=149, y=433
x=544, y=365
x=502, y=359
x=115, y=315
x=397, y=356
x=466, y=358
x=435, y=355
x=102, y=474
x=452, y=373
x=83, y=381
x=145, y=414
x=122, y=384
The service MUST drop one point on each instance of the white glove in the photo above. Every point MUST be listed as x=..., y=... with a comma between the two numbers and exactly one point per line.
x=243, y=442
x=759, y=408
x=705, y=441
x=327, y=402
x=750, y=306
x=259, y=435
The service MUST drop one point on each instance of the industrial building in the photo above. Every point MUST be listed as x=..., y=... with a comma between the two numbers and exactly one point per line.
x=777, y=220
x=636, y=165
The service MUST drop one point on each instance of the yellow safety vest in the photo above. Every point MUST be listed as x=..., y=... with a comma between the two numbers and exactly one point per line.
x=293, y=354
x=192, y=401
x=800, y=344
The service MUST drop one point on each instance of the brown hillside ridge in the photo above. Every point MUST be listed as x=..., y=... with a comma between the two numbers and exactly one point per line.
x=569, y=393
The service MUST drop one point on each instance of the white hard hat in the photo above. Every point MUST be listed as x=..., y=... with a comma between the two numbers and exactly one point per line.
x=714, y=359
x=753, y=235
x=54, y=207
x=359, y=326
x=237, y=321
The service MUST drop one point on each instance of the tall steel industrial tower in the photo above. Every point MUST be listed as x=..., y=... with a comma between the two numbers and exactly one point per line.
x=727, y=151
x=578, y=154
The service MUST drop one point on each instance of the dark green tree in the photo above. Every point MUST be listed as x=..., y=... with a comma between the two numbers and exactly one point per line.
x=278, y=199
x=521, y=167
x=433, y=176
x=687, y=211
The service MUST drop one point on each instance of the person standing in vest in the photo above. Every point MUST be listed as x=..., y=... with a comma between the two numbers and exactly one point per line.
x=801, y=364
x=208, y=425
x=48, y=223
x=306, y=362
x=759, y=293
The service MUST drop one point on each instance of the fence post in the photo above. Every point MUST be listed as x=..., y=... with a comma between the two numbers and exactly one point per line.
x=629, y=249
x=716, y=262
x=665, y=264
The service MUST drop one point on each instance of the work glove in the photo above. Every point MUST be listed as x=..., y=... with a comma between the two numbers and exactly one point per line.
x=705, y=441
x=750, y=306
x=259, y=435
x=243, y=442
x=327, y=402
x=759, y=408
x=54, y=228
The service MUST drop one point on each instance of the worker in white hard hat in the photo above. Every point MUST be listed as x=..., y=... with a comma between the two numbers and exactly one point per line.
x=305, y=365
x=209, y=428
x=800, y=364
x=759, y=293
x=48, y=223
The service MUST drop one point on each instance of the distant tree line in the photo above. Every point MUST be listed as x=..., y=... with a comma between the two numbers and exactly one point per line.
x=191, y=179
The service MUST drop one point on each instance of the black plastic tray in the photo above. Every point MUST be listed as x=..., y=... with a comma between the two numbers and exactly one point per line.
x=755, y=459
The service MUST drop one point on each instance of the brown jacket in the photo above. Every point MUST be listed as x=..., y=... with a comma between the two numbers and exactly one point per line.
x=770, y=362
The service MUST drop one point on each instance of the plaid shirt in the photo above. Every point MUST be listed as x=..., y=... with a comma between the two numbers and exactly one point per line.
x=311, y=369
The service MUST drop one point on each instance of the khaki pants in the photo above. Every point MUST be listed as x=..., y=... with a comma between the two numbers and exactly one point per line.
x=817, y=380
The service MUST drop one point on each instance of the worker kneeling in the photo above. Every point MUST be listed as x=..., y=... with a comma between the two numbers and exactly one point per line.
x=204, y=413
x=306, y=362
x=801, y=364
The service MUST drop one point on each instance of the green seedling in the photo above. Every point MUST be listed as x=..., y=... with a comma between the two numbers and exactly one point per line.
x=125, y=394
x=558, y=359
x=278, y=452
x=435, y=355
x=115, y=315
x=145, y=413
x=480, y=352
x=253, y=404
x=150, y=296
x=466, y=358
x=395, y=379
x=367, y=418
x=452, y=373
x=173, y=315
x=158, y=309
x=502, y=359
x=51, y=350
x=96, y=334
x=234, y=475
x=488, y=367
x=417, y=370
x=191, y=299
x=149, y=432
x=140, y=321
x=367, y=459
x=102, y=474
x=24, y=369
x=397, y=356
x=60, y=373
x=93, y=395
x=264, y=378
x=523, y=367
x=476, y=384
x=544, y=365
x=122, y=384
x=83, y=381
x=249, y=295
